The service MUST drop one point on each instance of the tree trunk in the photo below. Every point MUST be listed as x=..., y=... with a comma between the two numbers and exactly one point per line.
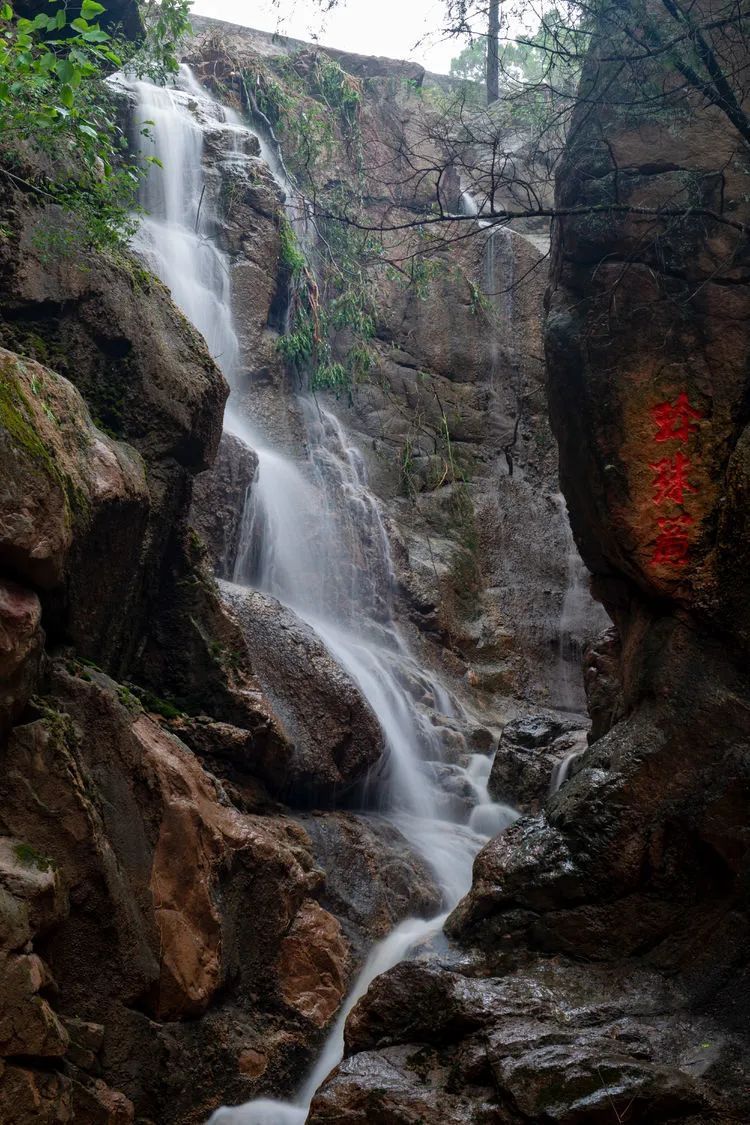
x=493, y=51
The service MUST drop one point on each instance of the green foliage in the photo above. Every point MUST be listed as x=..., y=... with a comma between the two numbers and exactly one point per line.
x=470, y=64
x=312, y=103
x=165, y=22
x=30, y=857
x=291, y=255
x=17, y=419
x=335, y=308
x=552, y=55
x=54, y=103
x=157, y=706
x=129, y=701
x=339, y=90
x=478, y=302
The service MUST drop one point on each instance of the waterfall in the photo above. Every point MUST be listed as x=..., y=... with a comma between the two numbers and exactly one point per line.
x=314, y=538
x=580, y=616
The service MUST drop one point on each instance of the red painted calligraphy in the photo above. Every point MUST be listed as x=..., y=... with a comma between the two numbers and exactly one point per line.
x=672, y=543
x=670, y=479
x=675, y=421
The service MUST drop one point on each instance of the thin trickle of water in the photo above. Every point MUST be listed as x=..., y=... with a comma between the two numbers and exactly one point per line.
x=579, y=617
x=313, y=537
x=561, y=772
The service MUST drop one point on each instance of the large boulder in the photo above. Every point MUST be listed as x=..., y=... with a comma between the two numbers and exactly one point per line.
x=644, y=845
x=146, y=378
x=333, y=738
x=126, y=825
x=59, y=474
x=68, y=493
x=438, y=1042
x=373, y=879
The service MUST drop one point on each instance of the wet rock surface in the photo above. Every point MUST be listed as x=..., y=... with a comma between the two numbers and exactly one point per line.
x=530, y=755
x=554, y=1042
x=452, y=419
x=333, y=738
x=596, y=971
x=219, y=497
x=127, y=825
x=114, y=403
x=373, y=879
x=598, y=967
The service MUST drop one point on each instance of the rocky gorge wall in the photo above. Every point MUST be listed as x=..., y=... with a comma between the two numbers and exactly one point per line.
x=451, y=418
x=152, y=925
x=163, y=914
x=175, y=779
x=598, y=967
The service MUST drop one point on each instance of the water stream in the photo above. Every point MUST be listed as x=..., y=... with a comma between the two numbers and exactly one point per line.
x=580, y=616
x=313, y=537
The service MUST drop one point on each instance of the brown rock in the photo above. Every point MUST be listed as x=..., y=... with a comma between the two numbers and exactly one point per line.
x=28, y=1026
x=97, y=1104
x=193, y=825
x=252, y=1063
x=33, y=883
x=21, y=643
x=146, y=377
x=313, y=965
x=58, y=471
x=35, y=1097
x=126, y=818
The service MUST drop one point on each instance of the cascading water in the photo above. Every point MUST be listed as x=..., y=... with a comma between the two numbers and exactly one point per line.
x=312, y=536
x=579, y=616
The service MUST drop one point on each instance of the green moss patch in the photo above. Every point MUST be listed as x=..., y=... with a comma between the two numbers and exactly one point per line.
x=30, y=857
x=16, y=417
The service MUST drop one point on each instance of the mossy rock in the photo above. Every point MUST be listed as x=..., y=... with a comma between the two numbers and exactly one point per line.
x=56, y=470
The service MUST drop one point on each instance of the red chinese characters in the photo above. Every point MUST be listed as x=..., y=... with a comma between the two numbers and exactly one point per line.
x=672, y=543
x=675, y=422
x=670, y=479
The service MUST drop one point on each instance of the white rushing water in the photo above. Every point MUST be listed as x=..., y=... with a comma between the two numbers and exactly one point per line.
x=313, y=537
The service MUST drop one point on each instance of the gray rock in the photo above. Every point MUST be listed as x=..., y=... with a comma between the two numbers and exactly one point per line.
x=530, y=750
x=333, y=736
x=219, y=497
x=373, y=879
x=436, y=1042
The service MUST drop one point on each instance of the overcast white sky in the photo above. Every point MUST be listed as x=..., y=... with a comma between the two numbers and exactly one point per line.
x=395, y=28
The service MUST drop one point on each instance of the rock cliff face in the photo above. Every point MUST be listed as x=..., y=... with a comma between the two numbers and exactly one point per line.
x=156, y=923
x=451, y=419
x=600, y=962
x=171, y=755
